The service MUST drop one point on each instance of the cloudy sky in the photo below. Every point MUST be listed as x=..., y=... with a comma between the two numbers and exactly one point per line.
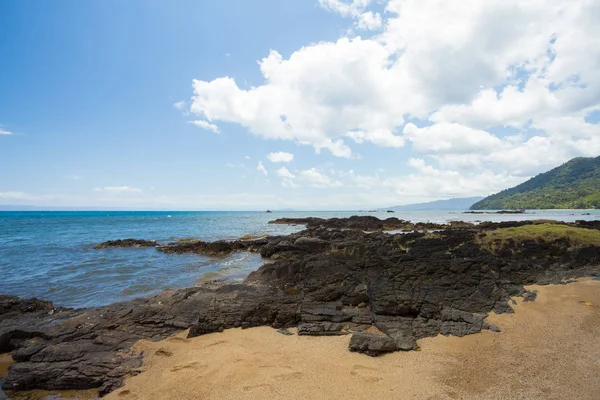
x=310, y=104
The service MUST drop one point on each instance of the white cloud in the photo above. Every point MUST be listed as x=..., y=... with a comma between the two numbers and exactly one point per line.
x=280, y=157
x=369, y=21
x=5, y=132
x=365, y=20
x=318, y=179
x=450, y=138
x=206, y=126
x=380, y=137
x=15, y=196
x=19, y=197
x=311, y=177
x=246, y=157
x=118, y=189
x=287, y=178
x=345, y=8
x=180, y=105
x=483, y=92
x=283, y=172
x=261, y=168
x=317, y=96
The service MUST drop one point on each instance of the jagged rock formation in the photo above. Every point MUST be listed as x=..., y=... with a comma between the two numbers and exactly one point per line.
x=327, y=280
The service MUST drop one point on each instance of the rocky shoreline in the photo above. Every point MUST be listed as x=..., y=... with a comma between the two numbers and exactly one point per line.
x=337, y=277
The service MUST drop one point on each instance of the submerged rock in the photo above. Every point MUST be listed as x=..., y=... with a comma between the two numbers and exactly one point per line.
x=128, y=243
x=18, y=306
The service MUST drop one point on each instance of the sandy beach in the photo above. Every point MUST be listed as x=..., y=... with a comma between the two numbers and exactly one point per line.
x=547, y=349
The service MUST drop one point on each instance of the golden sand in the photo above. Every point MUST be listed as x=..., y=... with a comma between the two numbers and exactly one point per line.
x=5, y=362
x=549, y=349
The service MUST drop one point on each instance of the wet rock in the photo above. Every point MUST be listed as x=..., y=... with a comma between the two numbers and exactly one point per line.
x=18, y=306
x=127, y=243
x=219, y=248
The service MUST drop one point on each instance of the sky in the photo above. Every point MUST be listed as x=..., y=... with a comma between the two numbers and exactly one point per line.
x=305, y=104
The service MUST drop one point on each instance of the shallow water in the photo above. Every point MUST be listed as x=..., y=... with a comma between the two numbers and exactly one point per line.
x=49, y=255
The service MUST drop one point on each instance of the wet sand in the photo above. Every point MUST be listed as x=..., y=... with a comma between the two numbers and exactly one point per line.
x=548, y=349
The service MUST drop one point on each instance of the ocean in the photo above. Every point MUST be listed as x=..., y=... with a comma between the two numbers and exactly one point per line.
x=50, y=255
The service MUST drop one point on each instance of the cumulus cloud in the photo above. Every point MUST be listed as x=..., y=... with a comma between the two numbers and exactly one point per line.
x=318, y=179
x=381, y=137
x=118, y=189
x=483, y=92
x=310, y=177
x=261, y=168
x=450, y=138
x=280, y=157
x=283, y=172
x=206, y=126
x=369, y=21
x=287, y=178
x=364, y=20
x=316, y=97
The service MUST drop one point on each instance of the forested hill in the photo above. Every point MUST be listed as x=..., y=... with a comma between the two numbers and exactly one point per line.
x=575, y=184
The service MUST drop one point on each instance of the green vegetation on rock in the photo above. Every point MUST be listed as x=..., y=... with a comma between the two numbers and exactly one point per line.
x=574, y=185
x=543, y=232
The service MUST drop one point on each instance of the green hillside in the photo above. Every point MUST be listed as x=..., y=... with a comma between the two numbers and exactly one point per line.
x=575, y=184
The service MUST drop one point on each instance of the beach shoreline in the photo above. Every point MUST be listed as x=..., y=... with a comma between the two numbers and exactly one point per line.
x=332, y=279
x=546, y=350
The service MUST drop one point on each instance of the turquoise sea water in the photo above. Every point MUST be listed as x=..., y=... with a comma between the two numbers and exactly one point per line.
x=49, y=255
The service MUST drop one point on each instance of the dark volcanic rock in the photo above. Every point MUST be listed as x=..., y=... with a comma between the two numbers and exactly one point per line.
x=79, y=349
x=218, y=248
x=375, y=345
x=365, y=223
x=131, y=243
x=530, y=296
x=330, y=279
x=16, y=305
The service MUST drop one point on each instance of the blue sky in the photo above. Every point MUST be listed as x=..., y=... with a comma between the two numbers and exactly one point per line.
x=97, y=100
